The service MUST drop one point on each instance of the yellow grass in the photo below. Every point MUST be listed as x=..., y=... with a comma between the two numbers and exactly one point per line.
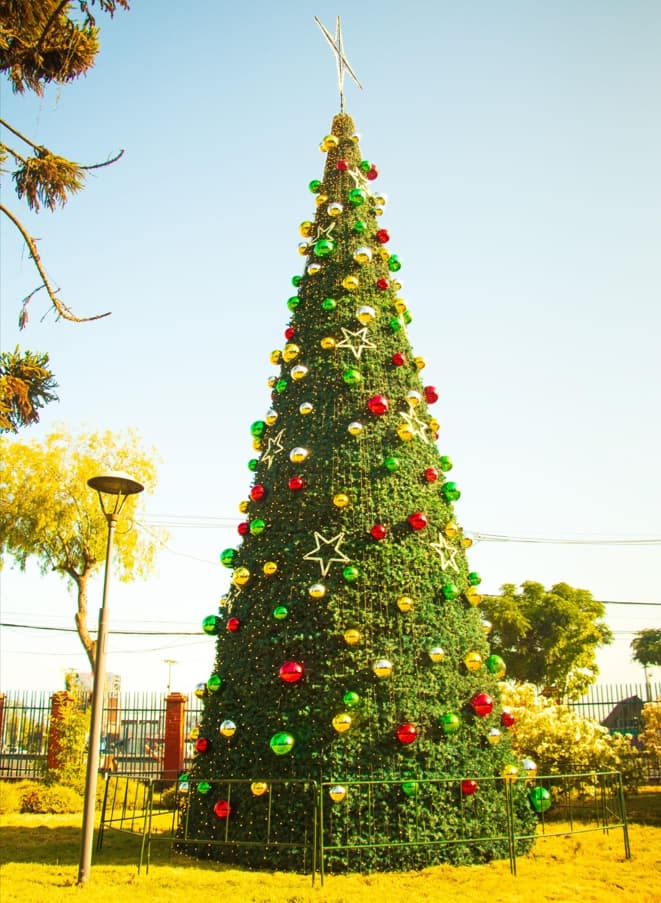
x=40, y=855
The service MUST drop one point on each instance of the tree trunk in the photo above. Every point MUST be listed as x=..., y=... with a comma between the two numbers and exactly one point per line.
x=81, y=620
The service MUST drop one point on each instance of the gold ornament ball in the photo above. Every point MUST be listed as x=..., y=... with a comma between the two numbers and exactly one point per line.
x=222, y=602
x=276, y=356
x=241, y=576
x=303, y=248
x=472, y=595
x=317, y=591
x=473, y=661
x=257, y=444
x=298, y=455
x=300, y=371
x=365, y=314
x=352, y=637
x=404, y=432
x=321, y=199
x=510, y=773
x=270, y=568
x=341, y=500
x=351, y=283
x=305, y=228
x=306, y=407
x=328, y=143
x=334, y=209
x=466, y=542
x=259, y=788
x=342, y=722
x=487, y=626
x=337, y=793
x=243, y=506
x=270, y=417
x=382, y=668
x=400, y=305
x=494, y=736
x=434, y=425
x=355, y=428
x=290, y=352
x=328, y=343
x=420, y=362
x=405, y=603
x=381, y=199
x=451, y=529
x=195, y=733
x=436, y=654
x=313, y=269
x=227, y=728
x=414, y=398
x=362, y=255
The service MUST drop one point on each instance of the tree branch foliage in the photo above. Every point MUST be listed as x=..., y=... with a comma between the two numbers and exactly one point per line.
x=50, y=515
x=26, y=385
x=548, y=637
x=43, y=42
x=646, y=647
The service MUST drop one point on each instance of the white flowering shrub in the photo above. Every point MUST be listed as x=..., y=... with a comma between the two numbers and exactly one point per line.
x=650, y=736
x=561, y=741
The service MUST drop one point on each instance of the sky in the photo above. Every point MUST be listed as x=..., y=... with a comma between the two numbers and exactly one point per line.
x=519, y=146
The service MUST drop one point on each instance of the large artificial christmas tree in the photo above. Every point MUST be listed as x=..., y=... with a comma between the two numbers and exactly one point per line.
x=354, y=697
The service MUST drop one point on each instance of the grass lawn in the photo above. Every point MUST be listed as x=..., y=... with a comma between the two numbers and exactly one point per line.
x=39, y=855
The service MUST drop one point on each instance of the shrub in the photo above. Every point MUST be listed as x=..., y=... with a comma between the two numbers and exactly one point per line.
x=10, y=797
x=650, y=736
x=51, y=798
x=561, y=741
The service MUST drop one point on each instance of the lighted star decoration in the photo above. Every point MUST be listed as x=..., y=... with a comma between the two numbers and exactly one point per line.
x=332, y=545
x=359, y=178
x=340, y=59
x=417, y=427
x=322, y=233
x=273, y=447
x=446, y=553
x=356, y=346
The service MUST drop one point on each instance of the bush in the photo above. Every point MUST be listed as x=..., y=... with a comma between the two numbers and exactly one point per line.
x=10, y=797
x=54, y=799
x=561, y=741
x=650, y=736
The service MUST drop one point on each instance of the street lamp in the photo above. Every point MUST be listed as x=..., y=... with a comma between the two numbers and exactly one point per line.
x=113, y=489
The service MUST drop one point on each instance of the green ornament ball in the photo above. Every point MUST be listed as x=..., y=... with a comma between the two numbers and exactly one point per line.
x=359, y=227
x=446, y=463
x=391, y=463
x=315, y=186
x=211, y=625
x=540, y=799
x=474, y=578
x=280, y=612
x=257, y=428
x=324, y=247
x=408, y=319
x=280, y=386
x=257, y=526
x=293, y=302
x=281, y=743
x=410, y=788
x=364, y=165
x=329, y=304
x=496, y=665
x=296, y=281
x=450, y=491
x=450, y=723
x=203, y=787
x=227, y=557
x=357, y=196
x=394, y=263
x=351, y=377
x=351, y=573
x=214, y=682
x=351, y=699
x=252, y=464
x=395, y=324
x=450, y=591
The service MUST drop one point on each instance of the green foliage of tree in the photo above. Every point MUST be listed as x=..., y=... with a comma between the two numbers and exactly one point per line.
x=650, y=736
x=44, y=42
x=562, y=741
x=26, y=385
x=343, y=642
x=548, y=637
x=50, y=515
x=646, y=647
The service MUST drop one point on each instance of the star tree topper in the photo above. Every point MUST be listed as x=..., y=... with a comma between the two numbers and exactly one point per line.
x=340, y=59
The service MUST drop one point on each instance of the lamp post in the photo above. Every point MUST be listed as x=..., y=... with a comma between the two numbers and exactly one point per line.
x=113, y=489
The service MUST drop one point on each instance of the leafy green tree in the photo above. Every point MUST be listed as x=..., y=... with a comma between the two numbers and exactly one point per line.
x=646, y=647
x=350, y=645
x=46, y=42
x=49, y=514
x=549, y=637
x=26, y=385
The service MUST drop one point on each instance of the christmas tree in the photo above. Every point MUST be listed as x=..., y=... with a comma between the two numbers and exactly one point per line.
x=354, y=696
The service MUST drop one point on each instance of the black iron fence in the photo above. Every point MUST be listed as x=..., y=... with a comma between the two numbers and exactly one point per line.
x=134, y=726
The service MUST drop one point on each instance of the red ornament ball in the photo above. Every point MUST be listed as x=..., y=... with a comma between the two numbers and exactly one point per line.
x=342, y=165
x=431, y=475
x=507, y=719
x=378, y=531
x=233, y=625
x=383, y=283
x=407, y=733
x=431, y=394
x=290, y=332
x=222, y=809
x=243, y=528
x=418, y=520
x=398, y=359
x=468, y=787
x=382, y=236
x=296, y=483
x=202, y=744
x=482, y=704
x=372, y=173
x=291, y=672
x=257, y=492
x=378, y=405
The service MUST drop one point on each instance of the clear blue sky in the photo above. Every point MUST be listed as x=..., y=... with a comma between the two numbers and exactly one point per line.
x=519, y=144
